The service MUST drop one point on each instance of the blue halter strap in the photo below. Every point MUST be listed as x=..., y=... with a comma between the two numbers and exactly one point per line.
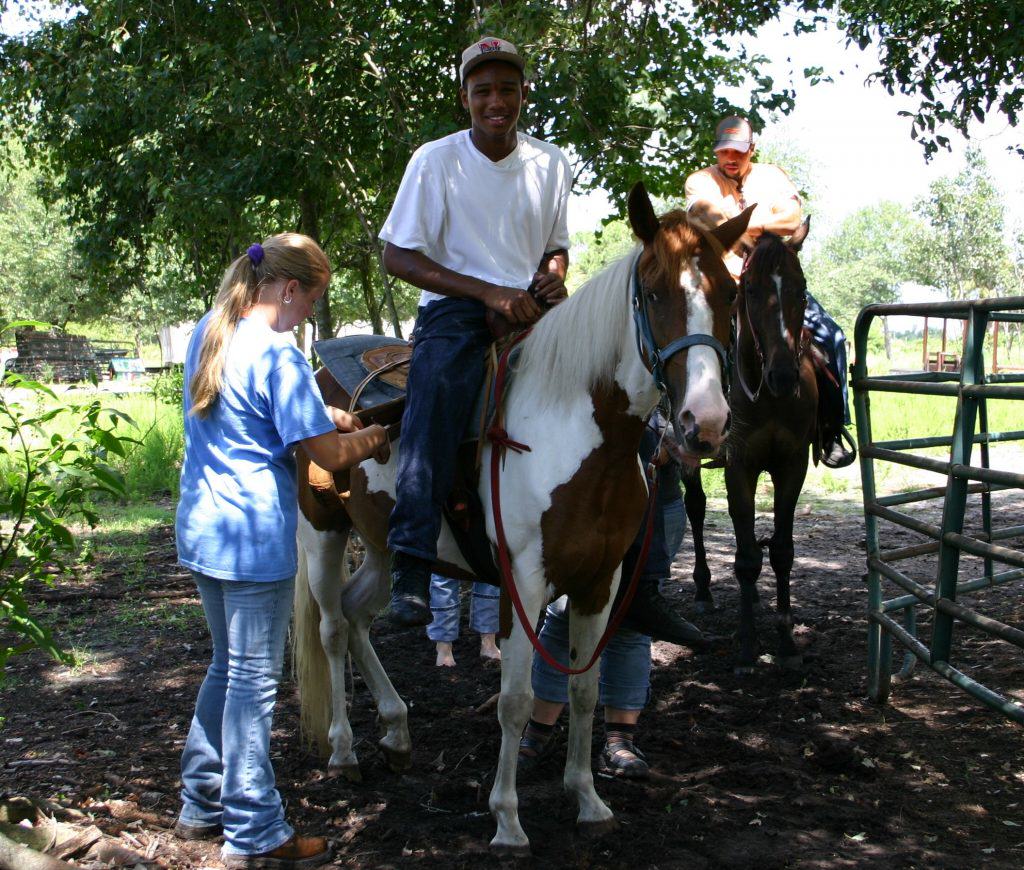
x=646, y=345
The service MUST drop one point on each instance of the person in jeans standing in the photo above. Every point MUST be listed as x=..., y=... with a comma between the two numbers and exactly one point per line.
x=483, y=618
x=250, y=399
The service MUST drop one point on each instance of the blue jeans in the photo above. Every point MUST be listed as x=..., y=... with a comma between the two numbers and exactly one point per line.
x=445, y=377
x=674, y=524
x=444, y=604
x=625, y=676
x=226, y=774
x=827, y=335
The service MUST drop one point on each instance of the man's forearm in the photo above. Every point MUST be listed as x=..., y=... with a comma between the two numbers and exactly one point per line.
x=421, y=271
x=556, y=263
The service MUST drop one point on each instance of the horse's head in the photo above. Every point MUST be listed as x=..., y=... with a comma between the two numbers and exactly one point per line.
x=773, y=295
x=687, y=294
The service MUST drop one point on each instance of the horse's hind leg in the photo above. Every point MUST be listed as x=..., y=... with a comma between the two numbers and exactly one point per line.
x=696, y=509
x=595, y=818
x=363, y=598
x=514, y=706
x=787, y=483
x=323, y=558
x=741, y=484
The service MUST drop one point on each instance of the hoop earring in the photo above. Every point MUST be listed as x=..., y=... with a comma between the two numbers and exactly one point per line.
x=287, y=301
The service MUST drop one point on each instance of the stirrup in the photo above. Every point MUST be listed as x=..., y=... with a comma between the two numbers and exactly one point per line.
x=838, y=456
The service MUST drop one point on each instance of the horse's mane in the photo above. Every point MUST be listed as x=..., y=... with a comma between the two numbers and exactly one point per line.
x=766, y=258
x=576, y=346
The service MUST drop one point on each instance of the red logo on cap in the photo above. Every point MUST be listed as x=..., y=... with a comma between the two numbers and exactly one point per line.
x=494, y=45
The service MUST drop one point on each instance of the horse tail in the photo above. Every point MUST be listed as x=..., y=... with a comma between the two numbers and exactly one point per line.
x=309, y=663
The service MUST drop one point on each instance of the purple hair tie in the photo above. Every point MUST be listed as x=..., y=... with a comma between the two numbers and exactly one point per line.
x=255, y=253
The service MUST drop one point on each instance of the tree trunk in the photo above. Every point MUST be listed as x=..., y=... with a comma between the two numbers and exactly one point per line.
x=369, y=299
x=310, y=225
x=389, y=298
x=887, y=338
x=371, y=236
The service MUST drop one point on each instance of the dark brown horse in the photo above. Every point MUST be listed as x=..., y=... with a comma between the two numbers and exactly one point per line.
x=774, y=401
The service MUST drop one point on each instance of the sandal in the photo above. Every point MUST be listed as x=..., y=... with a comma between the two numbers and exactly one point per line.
x=621, y=758
x=534, y=751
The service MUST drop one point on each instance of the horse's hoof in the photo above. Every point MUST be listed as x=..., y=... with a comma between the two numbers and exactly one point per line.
x=510, y=850
x=594, y=830
x=397, y=761
x=351, y=772
x=704, y=607
x=790, y=663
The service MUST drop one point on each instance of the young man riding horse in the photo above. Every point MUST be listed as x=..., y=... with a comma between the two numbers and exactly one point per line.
x=479, y=215
x=722, y=191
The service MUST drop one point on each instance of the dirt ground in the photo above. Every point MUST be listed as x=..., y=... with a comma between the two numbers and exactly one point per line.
x=782, y=769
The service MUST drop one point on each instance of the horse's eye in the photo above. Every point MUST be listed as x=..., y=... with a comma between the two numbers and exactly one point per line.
x=652, y=297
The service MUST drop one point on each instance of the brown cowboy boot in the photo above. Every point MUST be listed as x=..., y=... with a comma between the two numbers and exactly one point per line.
x=298, y=853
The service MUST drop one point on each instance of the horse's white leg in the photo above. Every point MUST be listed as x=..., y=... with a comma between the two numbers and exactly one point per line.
x=584, y=632
x=514, y=707
x=360, y=610
x=324, y=559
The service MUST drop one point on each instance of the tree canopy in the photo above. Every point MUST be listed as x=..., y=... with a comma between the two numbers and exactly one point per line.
x=968, y=257
x=198, y=128
x=960, y=59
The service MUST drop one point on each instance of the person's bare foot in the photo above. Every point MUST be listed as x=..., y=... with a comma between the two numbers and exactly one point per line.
x=489, y=651
x=445, y=656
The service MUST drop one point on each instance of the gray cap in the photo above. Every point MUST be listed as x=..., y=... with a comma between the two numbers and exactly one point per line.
x=734, y=132
x=489, y=48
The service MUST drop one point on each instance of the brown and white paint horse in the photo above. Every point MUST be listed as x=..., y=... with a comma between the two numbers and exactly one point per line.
x=571, y=505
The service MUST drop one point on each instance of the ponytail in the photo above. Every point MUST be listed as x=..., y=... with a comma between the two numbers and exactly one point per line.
x=286, y=255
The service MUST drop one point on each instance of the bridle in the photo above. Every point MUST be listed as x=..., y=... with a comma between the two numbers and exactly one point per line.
x=743, y=319
x=656, y=358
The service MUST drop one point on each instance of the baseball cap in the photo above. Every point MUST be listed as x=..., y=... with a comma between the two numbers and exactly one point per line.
x=489, y=48
x=734, y=132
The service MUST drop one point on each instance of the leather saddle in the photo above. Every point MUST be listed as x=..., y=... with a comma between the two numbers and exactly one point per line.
x=367, y=376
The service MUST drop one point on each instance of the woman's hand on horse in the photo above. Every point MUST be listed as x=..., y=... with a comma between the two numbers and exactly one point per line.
x=516, y=306
x=344, y=421
x=549, y=287
x=383, y=453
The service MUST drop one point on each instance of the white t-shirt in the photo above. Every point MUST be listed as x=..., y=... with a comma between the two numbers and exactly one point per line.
x=491, y=220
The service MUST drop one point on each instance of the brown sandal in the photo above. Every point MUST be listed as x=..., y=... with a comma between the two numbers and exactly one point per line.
x=621, y=758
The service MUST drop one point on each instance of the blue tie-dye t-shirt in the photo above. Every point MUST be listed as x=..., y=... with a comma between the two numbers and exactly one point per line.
x=238, y=506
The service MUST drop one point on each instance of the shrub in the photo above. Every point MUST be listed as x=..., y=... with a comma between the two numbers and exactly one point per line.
x=53, y=459
x=169, y=386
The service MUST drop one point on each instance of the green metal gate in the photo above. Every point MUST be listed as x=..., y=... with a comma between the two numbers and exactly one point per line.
x=896, y=617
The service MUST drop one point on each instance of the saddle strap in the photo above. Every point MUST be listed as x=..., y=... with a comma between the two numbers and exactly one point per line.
x=376, y=373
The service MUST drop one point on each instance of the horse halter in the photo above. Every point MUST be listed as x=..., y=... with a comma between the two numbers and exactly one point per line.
x=743, y=314
x=655, y=359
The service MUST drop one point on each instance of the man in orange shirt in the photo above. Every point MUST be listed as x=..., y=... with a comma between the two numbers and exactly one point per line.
x=722, y=191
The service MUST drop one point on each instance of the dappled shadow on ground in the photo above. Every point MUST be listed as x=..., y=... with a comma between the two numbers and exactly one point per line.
x=782, y=769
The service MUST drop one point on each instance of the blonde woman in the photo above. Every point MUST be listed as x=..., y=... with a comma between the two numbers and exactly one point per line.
x=251, y=398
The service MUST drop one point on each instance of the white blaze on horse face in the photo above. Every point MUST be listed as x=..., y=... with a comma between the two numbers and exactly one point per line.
x=784, y=330
x=704, y=404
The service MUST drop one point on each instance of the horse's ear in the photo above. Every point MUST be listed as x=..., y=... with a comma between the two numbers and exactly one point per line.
x=796, y=240
x=641, y=214
x=729, y=232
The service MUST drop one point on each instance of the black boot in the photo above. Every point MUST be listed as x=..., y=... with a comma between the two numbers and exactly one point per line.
x=410, y=590
x=649, y=613
x=835, y=454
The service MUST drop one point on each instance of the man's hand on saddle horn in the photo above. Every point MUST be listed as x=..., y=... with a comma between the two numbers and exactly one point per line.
x=516, y=306
x=548, y=288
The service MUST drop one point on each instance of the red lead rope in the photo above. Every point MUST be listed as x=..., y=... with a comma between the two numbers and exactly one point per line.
x=500, y=441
